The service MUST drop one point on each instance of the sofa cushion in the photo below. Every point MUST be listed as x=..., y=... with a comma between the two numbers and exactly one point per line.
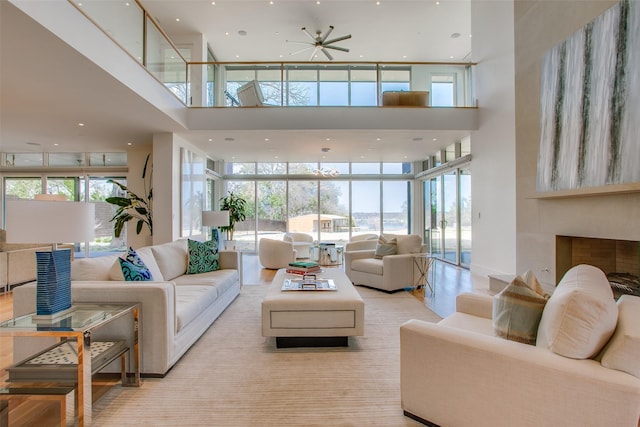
x=146, y=256
x=368, y=265
x=202, y=256
x=409, y=244
x=93, y=269
x=171, y=258
x=581, y=315
x=191, y=301
x=623, y=350
x=386, y=246
x=223, y=280
x=517, y=309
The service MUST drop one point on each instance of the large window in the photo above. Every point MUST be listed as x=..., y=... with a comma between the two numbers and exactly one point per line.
x=329, y=201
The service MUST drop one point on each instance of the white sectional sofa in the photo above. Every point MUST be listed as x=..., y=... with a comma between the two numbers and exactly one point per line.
x=176, y=308
x=584, y=369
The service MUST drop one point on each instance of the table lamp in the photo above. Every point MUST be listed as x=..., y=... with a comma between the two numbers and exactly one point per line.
x=214, y=220
x=52, y=222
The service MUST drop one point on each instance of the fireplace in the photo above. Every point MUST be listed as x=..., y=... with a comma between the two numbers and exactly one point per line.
x=619, y=259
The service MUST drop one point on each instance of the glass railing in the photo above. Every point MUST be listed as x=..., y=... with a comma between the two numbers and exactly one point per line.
x=299, y=84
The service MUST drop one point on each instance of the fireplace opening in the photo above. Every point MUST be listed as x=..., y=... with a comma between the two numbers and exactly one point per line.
x=619, y=259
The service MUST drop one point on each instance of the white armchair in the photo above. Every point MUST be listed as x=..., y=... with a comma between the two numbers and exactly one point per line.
x=389, y=273
x=301, y=242
x=275, y=254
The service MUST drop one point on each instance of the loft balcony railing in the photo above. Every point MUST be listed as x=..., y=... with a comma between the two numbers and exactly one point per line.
x=300, y=84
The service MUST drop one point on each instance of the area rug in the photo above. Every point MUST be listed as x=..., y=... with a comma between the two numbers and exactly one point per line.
x=234, y=377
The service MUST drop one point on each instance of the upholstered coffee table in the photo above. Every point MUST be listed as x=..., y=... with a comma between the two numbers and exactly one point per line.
x=313, y=318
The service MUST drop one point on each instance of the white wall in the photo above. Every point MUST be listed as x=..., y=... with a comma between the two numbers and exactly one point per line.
x=540, y=25
x=493, y=145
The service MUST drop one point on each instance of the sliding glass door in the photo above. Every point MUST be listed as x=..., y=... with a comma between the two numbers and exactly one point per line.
x=447, y=199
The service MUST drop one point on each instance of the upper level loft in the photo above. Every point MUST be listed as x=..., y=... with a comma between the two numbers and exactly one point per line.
x=128, y=44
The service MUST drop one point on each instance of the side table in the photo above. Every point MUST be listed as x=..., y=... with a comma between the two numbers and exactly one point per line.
x=423, y=264
x=78, y=326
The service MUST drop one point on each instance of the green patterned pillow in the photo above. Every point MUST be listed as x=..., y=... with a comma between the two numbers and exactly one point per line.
x=517, y=309
x=203, y=256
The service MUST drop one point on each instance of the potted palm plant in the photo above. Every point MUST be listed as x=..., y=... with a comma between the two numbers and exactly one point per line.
x=237, y=206
x=132, y=206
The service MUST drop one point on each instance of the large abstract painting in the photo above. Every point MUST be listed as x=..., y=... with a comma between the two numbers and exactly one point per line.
x=590, y=105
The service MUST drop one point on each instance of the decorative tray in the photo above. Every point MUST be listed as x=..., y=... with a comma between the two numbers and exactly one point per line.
x=307, y=284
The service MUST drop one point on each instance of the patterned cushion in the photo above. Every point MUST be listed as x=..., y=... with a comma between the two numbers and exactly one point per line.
x=134, y=272
x=386, y=246
x=517, y=309
x=203, y=256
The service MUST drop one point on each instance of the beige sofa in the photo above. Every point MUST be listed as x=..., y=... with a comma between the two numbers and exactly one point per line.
x=389, y=273
x=457, y=373
x=177, y=308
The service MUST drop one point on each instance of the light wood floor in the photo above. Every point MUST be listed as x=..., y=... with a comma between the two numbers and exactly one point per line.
x=449, y=282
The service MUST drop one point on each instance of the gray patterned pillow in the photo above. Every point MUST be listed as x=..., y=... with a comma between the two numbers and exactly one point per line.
x=203, y=256
x=386, y=247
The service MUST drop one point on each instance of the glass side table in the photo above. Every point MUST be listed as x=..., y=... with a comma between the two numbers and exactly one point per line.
x=423, y=264
x=78, y=326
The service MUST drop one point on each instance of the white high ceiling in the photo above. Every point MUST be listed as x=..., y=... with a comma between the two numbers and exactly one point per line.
x=47, y=88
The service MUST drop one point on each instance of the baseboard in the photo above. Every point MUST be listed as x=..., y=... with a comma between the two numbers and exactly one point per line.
x=420, y=420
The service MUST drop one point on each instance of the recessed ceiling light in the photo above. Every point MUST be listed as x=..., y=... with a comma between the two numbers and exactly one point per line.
x=437, y=3
x=213, y=3
x=434, y=139
x=404, y=56
x=417, y=139
x=455, y=35
x=33, y=143
x=226, y=33
x=242, y=33
x=80, y=124
x=237, y=56
x=270, y=2
x=266, y=139
x=451, y=57
x=377, y=3
x=55, y=144
x=327, y=139
x=127, y=4
x=229, y=139
x=470, y=36
x=210, y=139
x=317, y=2
x=377, y=139
x=325, y=149
x=275, y=157
x=129, y=143
x=177, y=19
x=281, y=56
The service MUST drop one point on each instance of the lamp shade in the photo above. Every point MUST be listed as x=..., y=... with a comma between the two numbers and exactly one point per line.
x=215, y=219
x=36, y=221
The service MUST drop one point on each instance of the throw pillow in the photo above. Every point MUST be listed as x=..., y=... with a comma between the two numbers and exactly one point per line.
x=133, y=257
x=409, y=244
x=517, y=309
x=134, y=272
x=623, y=350
x=581, y=315
x=203, y=256
x=386, y=246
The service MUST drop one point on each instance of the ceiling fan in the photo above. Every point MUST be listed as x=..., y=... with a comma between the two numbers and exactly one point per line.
x=321, y=43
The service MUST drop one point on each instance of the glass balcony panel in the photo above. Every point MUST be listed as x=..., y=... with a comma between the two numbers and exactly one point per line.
x=165, y=62
x=122, y=21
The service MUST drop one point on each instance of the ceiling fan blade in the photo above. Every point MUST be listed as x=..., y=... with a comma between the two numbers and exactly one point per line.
x=293, y=41
x=301, y=50
x=338, y=39
x=311, y=36
x=336, y=48
x=315, y=50
x=327, y=35
x=327, y=54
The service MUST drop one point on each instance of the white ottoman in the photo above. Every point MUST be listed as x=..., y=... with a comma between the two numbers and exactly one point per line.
x=313, y=318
